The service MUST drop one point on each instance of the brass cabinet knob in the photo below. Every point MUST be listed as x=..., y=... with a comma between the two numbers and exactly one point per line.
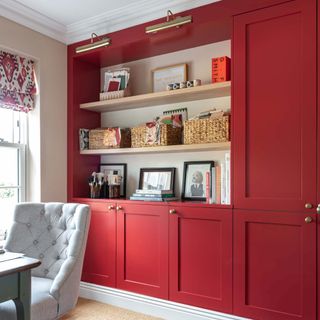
x=308, y=206
x=308, y=219
x=172, y=211
x=119, y=208
x=111, y=207
x=318, y=208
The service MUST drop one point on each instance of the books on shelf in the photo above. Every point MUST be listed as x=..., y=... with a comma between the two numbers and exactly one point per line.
x=153, y=195
x=220, y=186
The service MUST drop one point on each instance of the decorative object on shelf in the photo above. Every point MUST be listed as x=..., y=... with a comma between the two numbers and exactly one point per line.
x=184, y=84
x=157, y=179
x=98, y=185
x=221, y=69
x=175, y=74
x=170, y=116
x=84, y=139
x=169, y=135
x=194, y=180
x=172, y=22
x=209, y=126
x=101, y=42
x=109, y=138
x=116, y=84
x=116, y=174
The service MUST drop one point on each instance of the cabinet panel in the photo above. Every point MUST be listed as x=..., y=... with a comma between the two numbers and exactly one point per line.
x=142, y=249
x=200, y=250
x=100, y=258
x=274, y=107
x=274, y=265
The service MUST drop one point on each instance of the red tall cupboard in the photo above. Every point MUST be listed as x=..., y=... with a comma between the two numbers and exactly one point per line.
x=274, y=162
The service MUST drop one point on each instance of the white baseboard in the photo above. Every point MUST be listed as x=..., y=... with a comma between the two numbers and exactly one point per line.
x=148, y=305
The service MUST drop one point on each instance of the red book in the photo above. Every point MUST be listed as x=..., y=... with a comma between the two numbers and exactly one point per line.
x=221, y=69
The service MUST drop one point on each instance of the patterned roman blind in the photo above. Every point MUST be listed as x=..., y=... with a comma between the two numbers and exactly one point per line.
x=17, y=82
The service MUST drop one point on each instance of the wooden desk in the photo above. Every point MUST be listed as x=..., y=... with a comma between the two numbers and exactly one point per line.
x=15, y=284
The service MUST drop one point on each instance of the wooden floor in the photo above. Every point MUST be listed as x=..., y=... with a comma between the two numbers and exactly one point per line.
x=92, y=310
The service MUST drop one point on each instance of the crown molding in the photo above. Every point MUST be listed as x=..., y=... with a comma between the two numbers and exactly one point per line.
x=138, y=12
x=32, y=19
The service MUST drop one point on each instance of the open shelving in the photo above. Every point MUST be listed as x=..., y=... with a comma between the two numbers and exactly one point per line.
x=202, y=92
x=219, y=146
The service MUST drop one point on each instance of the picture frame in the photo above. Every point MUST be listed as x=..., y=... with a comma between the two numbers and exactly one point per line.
x=161, y=77
x=194, y=180
x=157, y=179
x=108, y=168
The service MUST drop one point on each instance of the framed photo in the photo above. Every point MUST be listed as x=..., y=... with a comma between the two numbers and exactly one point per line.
x=157, y=179
x=161, y=77
x=110, y=168
x=194, y=179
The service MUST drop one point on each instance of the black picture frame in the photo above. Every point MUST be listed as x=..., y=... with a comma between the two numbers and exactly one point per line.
x=195, y=190
x=170, y=171
x=122, y=167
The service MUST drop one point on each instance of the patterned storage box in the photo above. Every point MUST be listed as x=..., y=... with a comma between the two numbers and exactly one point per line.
x=169, y=135
x=105, y=138
x=207, y=130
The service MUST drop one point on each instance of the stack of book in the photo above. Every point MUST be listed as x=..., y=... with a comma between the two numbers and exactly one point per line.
x=153, y=195
x=220, y=192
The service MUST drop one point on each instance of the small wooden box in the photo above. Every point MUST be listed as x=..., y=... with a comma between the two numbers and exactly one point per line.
x=221, y=69
x=105, y=138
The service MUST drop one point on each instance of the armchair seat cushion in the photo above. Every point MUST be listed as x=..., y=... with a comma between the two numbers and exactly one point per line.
x=43, y=305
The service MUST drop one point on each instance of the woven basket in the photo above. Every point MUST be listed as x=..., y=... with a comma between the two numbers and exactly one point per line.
x=98, y=139
x=207, y=130
x=169, y=135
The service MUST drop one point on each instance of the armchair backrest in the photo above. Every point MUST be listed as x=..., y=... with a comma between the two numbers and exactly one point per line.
x=54, y=233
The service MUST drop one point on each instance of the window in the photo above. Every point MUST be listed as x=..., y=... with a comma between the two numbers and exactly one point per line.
x=12, y=163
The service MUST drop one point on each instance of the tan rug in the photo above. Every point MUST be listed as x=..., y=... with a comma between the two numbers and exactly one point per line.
x=92, y=310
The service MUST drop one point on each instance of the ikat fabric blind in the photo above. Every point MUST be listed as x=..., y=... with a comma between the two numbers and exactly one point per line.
x=17, y=82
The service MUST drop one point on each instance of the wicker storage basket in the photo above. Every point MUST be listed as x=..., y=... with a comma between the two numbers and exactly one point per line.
x=115, y=94
x=104, y=138
x=207, y=130
x=169, y=135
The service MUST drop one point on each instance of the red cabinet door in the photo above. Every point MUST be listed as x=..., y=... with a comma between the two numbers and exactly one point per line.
x=99, y=265
x=274, y=107
x=142, y=248
x=200, y=255
x=274, y=265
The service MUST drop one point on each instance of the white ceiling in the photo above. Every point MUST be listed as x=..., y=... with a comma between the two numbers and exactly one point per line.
x=70, y=21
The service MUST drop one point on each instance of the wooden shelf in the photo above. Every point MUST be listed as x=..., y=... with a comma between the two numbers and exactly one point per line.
x=206, y=91
x=221, y=146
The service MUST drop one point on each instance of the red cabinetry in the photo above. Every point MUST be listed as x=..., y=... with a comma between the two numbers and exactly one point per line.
x=274, y=107
x=274, y=265
x=200, y=249
x=274, y=162
x=142, y=248
x=100, y=258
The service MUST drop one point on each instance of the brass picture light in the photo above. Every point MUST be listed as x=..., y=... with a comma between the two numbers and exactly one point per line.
x=170, y=23
x=101, y=42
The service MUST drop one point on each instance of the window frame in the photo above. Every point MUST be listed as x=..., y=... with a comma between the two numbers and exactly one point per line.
x=21, y=187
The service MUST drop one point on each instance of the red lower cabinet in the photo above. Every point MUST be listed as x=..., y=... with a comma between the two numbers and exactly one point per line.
x=142, y=248
x=100, y=258
x=200, y=251
x=274, y=265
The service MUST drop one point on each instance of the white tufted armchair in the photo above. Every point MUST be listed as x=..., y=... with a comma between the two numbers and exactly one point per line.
x=56, y=234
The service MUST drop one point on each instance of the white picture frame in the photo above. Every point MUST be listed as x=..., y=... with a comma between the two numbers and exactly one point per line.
x=161, y=77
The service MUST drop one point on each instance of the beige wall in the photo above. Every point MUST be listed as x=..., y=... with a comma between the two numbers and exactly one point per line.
x=47, y=158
